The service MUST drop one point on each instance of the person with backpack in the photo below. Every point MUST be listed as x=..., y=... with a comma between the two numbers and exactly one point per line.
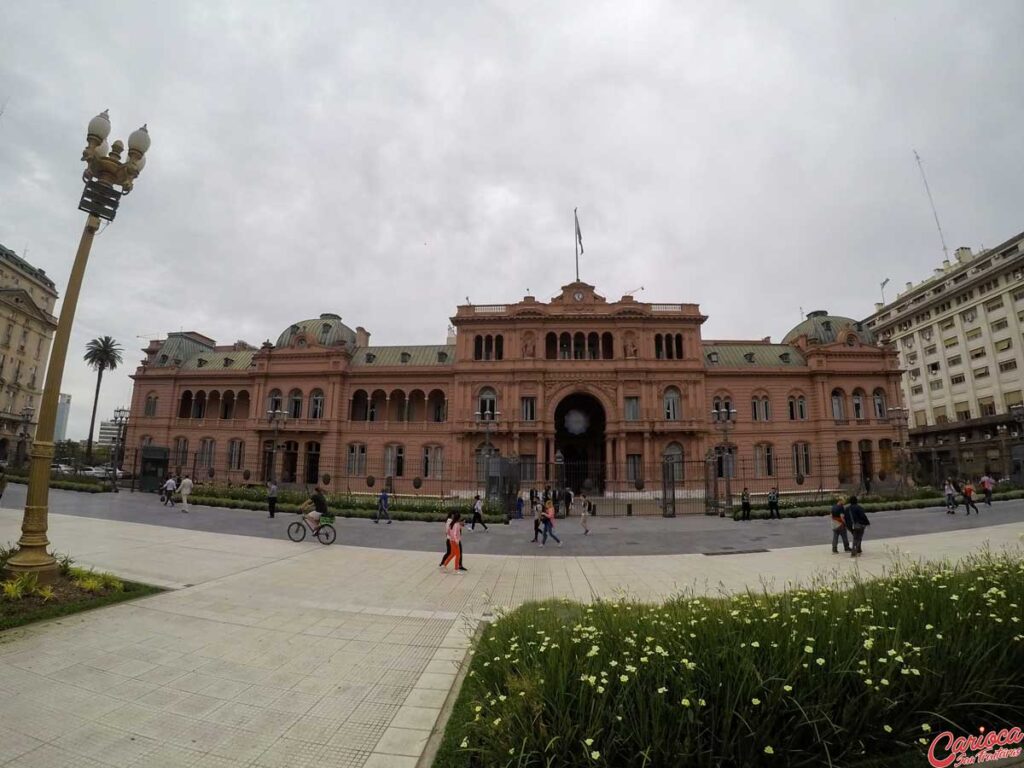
x=969, y=498
x=839, y=526
x=856, y=520
x=382, y=507
x=987, y=484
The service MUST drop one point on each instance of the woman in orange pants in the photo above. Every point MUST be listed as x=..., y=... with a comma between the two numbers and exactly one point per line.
x=455, y=540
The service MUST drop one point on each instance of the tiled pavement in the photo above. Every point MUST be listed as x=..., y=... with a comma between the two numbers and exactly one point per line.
x=300, y=655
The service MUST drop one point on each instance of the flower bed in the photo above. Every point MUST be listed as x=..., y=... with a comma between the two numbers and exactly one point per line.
x=821, y=676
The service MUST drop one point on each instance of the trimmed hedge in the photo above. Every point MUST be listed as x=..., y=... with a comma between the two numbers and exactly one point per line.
x=761, y=513
x=67, y=485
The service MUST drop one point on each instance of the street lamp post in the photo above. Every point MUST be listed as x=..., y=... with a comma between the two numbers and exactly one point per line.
x=276, y=416
x=23, y=436
x=121, y=421
x=107, y=178
x=489, y=418
x=900, y=417
x=724, y=419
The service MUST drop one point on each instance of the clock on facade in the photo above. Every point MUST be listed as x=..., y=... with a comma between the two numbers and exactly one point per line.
x=576, y=422
x=578, y=295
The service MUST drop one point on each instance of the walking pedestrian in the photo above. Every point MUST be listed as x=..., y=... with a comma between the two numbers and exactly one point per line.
x=773, y=503
x=382, y=507
x=548, y=521
x=185, y=490
x=950, y=493
x=745, y=503
x=584, y=504
x=271, y=498
x=987, y=483
x=568, y=502
x=519, y=507
x=856, y=520
x=3, y=482
x=969, y=498
x=447, y=541
x=454, y=555
x=169, y=487
x=839, y=526
x=536, y=519
x=478, y=513
x=556, y=499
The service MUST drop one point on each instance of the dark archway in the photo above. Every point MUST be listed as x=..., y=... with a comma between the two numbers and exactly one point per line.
x=580, y=441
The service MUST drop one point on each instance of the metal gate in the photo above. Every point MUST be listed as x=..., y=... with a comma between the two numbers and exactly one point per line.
x=669, y=473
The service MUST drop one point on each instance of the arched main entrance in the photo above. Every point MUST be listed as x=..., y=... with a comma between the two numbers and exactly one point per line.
x=579, y=440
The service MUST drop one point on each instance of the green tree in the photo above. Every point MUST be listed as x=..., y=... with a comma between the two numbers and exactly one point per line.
x=102, y=354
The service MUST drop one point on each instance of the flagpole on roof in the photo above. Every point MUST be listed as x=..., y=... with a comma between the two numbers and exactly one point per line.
x=579, y=243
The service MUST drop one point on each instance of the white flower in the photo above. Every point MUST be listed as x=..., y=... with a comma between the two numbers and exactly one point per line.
x=623, y=678
x=588, y=742
x=595, y=755
x=769, y=751
x=887, y=728
x=662, y=689
x=926, y=728
x=820, y=661
x=808, y=649
x=685, y=702
x=787, y=688
x=756, y=702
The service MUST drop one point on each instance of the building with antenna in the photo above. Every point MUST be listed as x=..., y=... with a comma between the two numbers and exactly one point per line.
x=578, y=390
x=959, y=334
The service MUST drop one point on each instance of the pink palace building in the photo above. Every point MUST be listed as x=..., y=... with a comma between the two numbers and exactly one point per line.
x=593, y=394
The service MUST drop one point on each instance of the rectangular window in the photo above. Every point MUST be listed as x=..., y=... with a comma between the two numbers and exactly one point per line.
x=764, y=461
x=920, y=418
x=974, y=333
x=916, y=390
x=1004, y=344
x=912, y=358
x=1007, y=365
x=632, y=409
x=977, y=353
x=181, y=450
x=1000, y=325
x=940, y=415
x=529, y=408
x=236, y=454
x=963, y=411
x=987, y=407
x=394, y=461
x=356, y=459
x=981, y=373
x=933, y=368
x=206, y=452
x=954, y=361
x=952, y=341
x=634, y=467
x=930, y=349
x=935, y=385
x=994, y=304
x=948, y=323
x=958, y=379
x=528, y=468
x=1018, y=295
x=433, y=459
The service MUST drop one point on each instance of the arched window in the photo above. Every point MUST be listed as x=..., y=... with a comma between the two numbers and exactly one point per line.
x=579, y=346
x=146, y=440
x=551, y=346
x=433, y=460
x=674, y=457
x=487, y=403
x=151, y=401
x=755, y=408
x=199, y=405
x=236, y=454
x=295, y=404
x=607, y=346
x=801, y=408
x=885, y=456
x=679, y=346
x=667, y=344
x=844, y=451
x=764, y=460
x=838, y=404
x=488, y=347
x=181, y=450
x=880, y=405
x=766, y=409
x=316, y=404
x=721, y=408
x=436, y=406
x=499, y=347
x=659, y=349
x=593, y=346
x=672, y=402
x=206, y=451
x=356, y=459
x=360, y=406
x=801, y=459
x=564, y=346
x=478, y=347
x=274, y=401
x=858, y=404
x=185, y=407
x=227, y=405
x=394, y=460
x=312, y=462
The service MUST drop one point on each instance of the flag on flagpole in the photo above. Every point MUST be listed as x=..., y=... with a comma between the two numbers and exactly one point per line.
x=579, y=237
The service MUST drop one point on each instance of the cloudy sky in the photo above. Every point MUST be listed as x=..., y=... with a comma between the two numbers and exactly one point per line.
x=385, y=160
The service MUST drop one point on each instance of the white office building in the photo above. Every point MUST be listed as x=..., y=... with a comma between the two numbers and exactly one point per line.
x=60, y=429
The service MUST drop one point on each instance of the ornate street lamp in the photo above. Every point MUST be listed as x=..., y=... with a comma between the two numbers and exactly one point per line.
x=107, y=179
x=488, y=418
x=121, y=420
x=276, y=417
x=23, y=436
x=724, y=419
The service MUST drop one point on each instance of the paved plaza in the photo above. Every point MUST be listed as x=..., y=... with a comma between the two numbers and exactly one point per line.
x=266, y=653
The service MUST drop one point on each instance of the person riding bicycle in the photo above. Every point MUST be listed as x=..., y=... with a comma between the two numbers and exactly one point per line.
x=318, y=503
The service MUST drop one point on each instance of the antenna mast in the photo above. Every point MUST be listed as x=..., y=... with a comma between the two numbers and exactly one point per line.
x=935, y=213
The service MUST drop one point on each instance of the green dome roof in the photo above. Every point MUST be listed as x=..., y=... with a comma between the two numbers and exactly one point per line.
x=326, y=330
x=822, y=328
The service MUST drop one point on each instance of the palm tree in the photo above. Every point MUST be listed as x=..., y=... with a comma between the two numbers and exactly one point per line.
x=102, y=354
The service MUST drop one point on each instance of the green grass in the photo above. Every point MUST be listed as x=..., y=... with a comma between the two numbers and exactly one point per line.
x=738, y=681
x=53, y=608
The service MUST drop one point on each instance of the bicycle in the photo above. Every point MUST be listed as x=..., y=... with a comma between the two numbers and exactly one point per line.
x=324, y=532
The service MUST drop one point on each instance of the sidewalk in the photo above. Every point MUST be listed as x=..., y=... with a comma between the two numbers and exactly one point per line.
x=287, y=654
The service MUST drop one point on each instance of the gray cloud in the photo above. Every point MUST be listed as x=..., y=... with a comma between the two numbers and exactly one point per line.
x=385, y=160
